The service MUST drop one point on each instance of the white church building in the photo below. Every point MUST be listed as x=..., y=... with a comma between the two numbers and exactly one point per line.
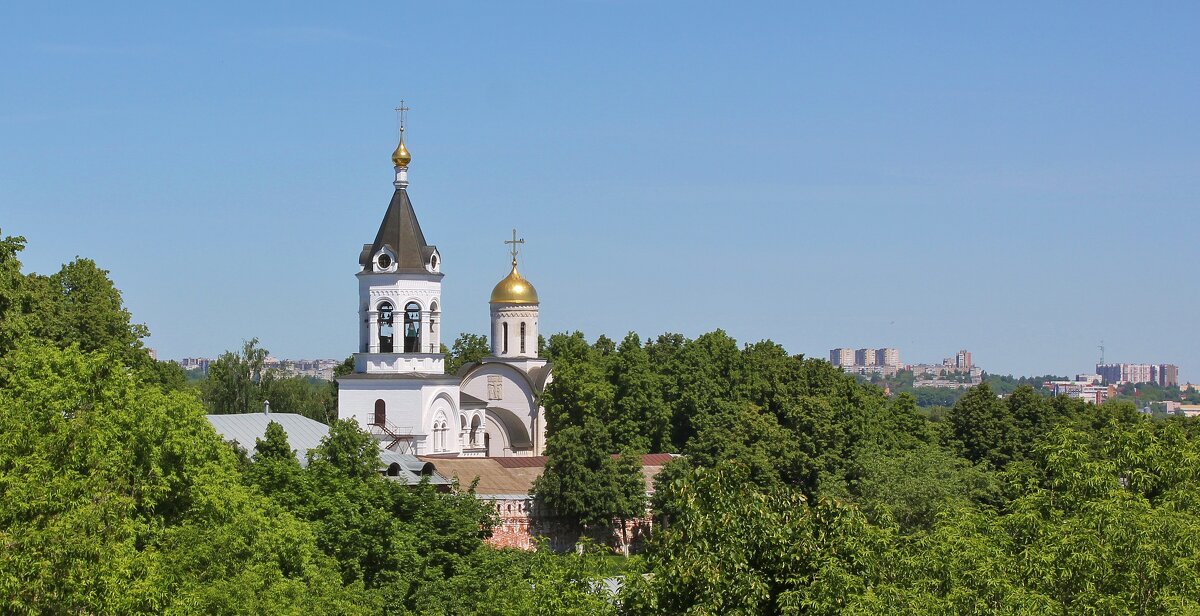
x=399, y=391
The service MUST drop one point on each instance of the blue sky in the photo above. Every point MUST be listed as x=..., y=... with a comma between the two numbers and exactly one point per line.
x=1017, y=180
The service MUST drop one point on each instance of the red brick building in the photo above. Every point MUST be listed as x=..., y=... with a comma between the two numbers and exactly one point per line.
x=506, y=483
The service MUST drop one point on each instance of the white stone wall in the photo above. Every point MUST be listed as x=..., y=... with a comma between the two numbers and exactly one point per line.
x=400, y=289
x=504, y=386
x=412, y=405
x=514, y=315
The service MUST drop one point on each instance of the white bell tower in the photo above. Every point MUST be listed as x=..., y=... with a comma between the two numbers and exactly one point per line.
x=400, y=289
x=398, y=390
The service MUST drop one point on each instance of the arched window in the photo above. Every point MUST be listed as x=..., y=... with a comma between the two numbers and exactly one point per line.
x=385, y=327
x=380, y=413
x=505, y=337
x=522, y=337
x=412, y=328
x=475, y=431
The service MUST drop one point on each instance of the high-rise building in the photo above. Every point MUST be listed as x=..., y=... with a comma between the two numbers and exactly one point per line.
x=962, y=360
x=1166, y=375
x=841, y=357
x=864, y=357
x=887, y=357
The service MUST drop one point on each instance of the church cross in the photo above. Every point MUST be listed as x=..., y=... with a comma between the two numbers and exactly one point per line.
x=402, y=111
x=514, y=241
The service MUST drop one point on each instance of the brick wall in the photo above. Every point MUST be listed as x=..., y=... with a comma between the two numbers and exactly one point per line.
x=522, y=526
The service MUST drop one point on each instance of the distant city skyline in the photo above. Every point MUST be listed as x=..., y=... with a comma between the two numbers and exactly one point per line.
x=1016, y=180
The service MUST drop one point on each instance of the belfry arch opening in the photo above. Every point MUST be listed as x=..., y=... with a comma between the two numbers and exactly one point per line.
x=412, y=328
x=386, y=320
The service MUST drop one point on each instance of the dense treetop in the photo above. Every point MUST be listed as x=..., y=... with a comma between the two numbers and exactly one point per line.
x=798, y=488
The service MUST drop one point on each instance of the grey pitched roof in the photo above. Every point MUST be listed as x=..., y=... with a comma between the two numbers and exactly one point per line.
x=409, y=469
x=400, y=232
x=467, y=401
x=245, y=428
x=305, y=434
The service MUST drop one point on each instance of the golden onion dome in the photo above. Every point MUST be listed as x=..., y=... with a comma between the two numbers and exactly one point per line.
x=401, y=157
x=514, y=290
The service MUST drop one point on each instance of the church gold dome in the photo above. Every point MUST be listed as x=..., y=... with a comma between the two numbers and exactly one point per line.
x=401, y=157
x=514, y=289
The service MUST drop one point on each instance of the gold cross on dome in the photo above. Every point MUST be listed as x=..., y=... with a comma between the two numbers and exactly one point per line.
x=514, y=241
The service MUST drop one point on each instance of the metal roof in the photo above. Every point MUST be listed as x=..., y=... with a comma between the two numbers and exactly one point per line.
x=246, y=428
x=305, y=434
x=400, y=232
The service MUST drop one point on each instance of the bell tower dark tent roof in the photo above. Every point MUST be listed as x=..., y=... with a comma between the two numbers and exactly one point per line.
x=401, y=233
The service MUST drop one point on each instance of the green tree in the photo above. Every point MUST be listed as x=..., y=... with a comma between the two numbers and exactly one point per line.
x=90, y=311
x=233, y=383
x=733, y=549
x=301, y=395
x=983, y=427
x=118, y=497
x=580, y=388
x=467, y=348
x=641, y=419
x=583, y=483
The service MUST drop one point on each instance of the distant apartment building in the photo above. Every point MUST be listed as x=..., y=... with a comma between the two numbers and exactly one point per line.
x=962, y=360
x=195, y=363
x=875, y=361
x=887, y=357
x=314, y=368
x=841, y=357
x=1166, y=375
x=1082, y=390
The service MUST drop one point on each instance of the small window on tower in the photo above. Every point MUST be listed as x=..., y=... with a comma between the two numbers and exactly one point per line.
x=433, y=263
x=522, y=338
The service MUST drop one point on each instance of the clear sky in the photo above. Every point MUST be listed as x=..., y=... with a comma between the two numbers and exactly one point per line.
x=1020, y=181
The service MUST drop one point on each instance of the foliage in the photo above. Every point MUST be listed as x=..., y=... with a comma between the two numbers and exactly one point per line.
x=983, y=428
x=241, y=383
x=118, y=497
x=586, y=486
x=514, y=583
x=467, y=348
x=733, y=549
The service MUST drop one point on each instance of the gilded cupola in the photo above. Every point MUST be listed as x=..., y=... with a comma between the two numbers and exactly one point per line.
x=514, y=289
x=401, y=157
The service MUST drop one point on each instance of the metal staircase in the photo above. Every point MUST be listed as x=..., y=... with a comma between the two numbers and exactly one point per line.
x=398, y=438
